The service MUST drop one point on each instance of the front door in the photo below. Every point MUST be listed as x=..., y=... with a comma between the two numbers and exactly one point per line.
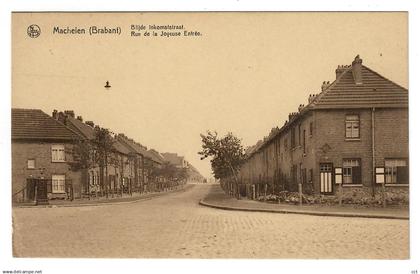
x=325, y=171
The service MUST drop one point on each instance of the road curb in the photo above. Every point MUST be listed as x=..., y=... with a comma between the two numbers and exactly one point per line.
x=303, y=212
x=134, y=200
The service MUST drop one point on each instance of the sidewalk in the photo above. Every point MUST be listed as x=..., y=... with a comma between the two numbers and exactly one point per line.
x=218, y=199
x=105, y=201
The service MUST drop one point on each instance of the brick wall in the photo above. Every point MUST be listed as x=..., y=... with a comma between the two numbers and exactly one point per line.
x=41, y=152
x=328, y=144
x=332, y=145
x=391, y=131
x=391, y=138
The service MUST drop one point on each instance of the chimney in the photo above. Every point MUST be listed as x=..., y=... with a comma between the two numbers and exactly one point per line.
x=340, y=70
x=90, y=123
x=325, y=85
x=62, y=117
x=54, y=114
x=356, y=67
x=69, y=113
x=300, y=107
x=80, y=118
x=311, y=98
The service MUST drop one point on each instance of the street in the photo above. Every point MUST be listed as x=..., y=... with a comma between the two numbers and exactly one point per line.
x=175, y=226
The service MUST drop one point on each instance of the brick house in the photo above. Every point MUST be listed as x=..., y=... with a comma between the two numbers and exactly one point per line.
x=353, y=134
x=40, y=146
x=91, y=178
x=156, y=161
x=139, y=154
x=120, y=168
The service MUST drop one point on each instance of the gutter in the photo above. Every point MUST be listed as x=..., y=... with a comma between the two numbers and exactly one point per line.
x=373, y=151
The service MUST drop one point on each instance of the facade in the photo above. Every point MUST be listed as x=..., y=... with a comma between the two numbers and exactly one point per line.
x=124, y=170
x=92, y=177
x=352, y=135
x=40, y=150
x=45, y=147
x=121, y=168
x=139, y=153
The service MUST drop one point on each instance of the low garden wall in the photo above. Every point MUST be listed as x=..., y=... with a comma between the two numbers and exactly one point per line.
x=394, y=196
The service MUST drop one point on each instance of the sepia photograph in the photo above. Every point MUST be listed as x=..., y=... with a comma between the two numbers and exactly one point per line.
x=210, y=135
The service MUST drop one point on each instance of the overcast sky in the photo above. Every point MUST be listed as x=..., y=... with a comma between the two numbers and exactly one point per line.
x=244, y=74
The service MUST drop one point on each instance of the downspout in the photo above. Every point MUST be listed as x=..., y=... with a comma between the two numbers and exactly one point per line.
x=373, y=152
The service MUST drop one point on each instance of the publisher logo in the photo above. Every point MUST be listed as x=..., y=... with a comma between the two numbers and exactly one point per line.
x=34, y=31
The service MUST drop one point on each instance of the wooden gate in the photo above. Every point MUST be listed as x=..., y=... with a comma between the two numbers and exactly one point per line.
x=37, y=190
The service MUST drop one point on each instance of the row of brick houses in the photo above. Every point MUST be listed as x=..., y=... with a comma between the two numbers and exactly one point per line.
x=352, y=135
x=43, y=147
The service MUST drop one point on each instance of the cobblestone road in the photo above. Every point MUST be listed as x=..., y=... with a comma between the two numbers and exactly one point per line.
x=175, y=226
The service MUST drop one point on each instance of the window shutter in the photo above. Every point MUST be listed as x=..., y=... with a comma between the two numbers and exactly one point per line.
x=338, y=175
x=49, y=186
x=356, y=175
x=402, y=175
x=380, y=175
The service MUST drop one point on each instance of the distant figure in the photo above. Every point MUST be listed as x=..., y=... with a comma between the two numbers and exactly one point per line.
x=107, y=85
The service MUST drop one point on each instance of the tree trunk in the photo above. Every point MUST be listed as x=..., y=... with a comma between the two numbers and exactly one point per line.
x=236, y=181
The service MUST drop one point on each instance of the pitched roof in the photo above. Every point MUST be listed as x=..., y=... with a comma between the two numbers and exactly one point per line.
x=374, y=91
x=155, y=156
x=121, y=148
x=87, y=131
x=173, y=158
x=35, y=124
x=134, y=146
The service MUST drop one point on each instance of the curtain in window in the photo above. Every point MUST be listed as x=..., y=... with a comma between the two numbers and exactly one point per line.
x=352, y=171
x=396, y=171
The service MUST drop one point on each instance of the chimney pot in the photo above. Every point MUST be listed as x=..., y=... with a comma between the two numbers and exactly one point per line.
x=90, y=123
x=54, y=114
x=69, y=113
x=80, y=118
x=62, y=117
x=324, y=86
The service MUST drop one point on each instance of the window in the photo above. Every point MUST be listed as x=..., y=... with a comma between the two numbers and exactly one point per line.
x=352, y=126
x=396, y=171
x=293, y=138
x=91, y=178
x=57, y=153
x=58, y=183
x=31, y=163
x=300, y=135
x=351, y=171
x=304, y=141
x=311, y=129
